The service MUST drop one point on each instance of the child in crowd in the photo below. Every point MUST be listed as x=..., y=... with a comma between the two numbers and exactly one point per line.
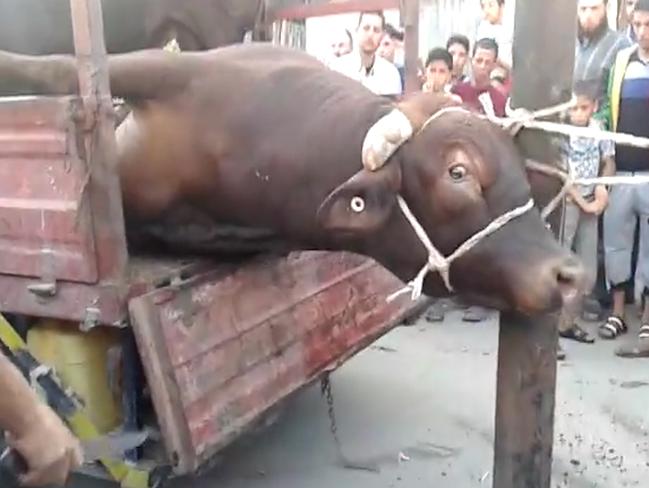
x=438, y=72
x=584, y=158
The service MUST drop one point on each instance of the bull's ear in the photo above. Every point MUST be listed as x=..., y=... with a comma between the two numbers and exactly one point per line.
x=363, y=203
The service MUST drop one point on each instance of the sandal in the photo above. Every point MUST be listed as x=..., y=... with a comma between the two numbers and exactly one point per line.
x=644, y=332
x=578, y=334
x=637, y=349
x=613, y=327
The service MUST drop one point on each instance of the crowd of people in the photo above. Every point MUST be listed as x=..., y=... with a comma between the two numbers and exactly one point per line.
x=611, y=90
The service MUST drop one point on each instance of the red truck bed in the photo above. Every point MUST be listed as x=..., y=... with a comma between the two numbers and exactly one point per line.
x=220, y=344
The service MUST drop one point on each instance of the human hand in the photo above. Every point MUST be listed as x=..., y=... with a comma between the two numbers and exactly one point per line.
x=601, y=200
x=49, y=449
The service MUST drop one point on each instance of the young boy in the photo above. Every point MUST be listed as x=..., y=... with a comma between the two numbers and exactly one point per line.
x=438, y=72
x=584, y=158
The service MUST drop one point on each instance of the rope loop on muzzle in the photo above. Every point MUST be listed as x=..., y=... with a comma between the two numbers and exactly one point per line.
x=436, y=261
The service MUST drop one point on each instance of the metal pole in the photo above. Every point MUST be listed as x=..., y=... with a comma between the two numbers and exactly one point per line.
x=410, y=14
x=544, y=41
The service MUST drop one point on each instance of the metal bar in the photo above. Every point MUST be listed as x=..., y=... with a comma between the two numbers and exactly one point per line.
x=297, y=12
x=103, y=189
x=527, y=348
x=410, y=15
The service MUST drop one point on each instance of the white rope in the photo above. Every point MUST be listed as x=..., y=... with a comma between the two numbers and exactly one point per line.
x=436, y=261
x=523, y=115
x=614, y=180
x=589, y=132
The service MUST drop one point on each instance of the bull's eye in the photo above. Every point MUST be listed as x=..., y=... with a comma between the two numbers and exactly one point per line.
x=457, y=172
x=357, y=204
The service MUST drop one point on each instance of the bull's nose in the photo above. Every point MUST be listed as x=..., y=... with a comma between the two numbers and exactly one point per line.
x=569, y=275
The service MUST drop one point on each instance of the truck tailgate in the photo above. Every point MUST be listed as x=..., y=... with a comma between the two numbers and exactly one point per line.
x=224, y=347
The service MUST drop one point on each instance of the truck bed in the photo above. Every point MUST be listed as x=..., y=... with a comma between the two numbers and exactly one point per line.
x=221, y=342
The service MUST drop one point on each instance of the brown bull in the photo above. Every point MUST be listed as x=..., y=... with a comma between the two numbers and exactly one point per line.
x=45, y=27
x=267, y=137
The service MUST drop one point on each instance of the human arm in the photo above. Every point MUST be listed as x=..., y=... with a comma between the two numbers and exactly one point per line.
x=608, y=166
x=28, y=422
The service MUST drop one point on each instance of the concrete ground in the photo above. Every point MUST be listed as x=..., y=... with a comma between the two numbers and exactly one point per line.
x=419, y=405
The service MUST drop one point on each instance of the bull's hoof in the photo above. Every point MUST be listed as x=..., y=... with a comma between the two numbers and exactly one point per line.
x=637, y=349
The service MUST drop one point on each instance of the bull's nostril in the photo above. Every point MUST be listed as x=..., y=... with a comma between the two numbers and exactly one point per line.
x=568, y=276
x=570, y=279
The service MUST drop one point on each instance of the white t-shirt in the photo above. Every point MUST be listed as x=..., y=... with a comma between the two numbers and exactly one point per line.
x=503, y=34
x=383, y=78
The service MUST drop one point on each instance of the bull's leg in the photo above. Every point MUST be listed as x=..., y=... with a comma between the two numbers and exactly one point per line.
x=136, y=76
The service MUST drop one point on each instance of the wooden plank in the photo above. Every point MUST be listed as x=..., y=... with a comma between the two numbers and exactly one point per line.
x=333, y=7
x=217, y=358
x=410, y=16
x=525, y=402
x=527, y=349
x=103, y=189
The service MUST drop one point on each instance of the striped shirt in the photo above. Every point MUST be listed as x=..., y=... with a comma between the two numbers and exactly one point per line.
x=594, y=57
x=634, y=106
x=584, y=157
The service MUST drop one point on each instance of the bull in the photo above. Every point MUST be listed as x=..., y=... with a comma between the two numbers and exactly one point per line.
x=129, y=25
x=267, y=137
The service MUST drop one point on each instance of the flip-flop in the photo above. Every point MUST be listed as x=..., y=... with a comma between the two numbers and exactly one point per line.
x=475, y=314
x=613, y=327
x=644, y=332
x=637, y=349
x=435, y=313
x=578, y=334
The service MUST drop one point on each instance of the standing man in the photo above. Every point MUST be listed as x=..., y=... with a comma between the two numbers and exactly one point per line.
x=493, y=26
x=374, y=72
x=597, y=44
x=391, y=48
x=458, y=46
x=629, y=6
x=479, y=93
x=628, y=97
x=35, y=431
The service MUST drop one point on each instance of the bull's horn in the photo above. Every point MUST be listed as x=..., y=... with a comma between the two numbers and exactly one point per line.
x=384, y=138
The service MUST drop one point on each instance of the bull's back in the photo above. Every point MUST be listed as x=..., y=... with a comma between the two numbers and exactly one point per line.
x=260, y=134
x=281, y=125
x=40, y=27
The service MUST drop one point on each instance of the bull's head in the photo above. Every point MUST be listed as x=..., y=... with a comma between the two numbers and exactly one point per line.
x=457, y=173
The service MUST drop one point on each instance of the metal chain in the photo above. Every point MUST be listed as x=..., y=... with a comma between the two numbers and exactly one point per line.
x=327, y=393
x=325, y=387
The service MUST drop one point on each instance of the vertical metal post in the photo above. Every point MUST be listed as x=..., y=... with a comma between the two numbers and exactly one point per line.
x=410, y=14
x=544, y=41
x=102, y=189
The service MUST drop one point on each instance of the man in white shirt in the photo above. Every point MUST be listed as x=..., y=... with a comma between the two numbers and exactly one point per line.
x=363, y=65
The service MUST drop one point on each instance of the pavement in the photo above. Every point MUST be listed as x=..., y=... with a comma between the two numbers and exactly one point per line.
x=419, y=406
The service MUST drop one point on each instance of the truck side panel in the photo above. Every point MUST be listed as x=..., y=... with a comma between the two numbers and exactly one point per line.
x=45, y=228
x=219, y=351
